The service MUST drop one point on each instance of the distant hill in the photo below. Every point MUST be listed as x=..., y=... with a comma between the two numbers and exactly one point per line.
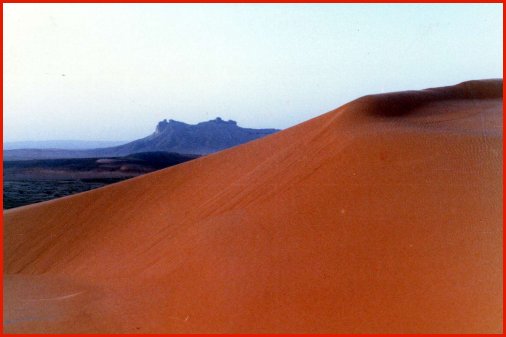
x=60, y=144
x=169, y=136
x=202, y=138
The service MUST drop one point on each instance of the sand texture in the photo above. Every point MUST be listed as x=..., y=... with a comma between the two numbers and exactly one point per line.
x=382, y=216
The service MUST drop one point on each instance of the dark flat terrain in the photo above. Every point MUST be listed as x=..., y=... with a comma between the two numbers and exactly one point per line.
x=25, y=192
x=31, y=181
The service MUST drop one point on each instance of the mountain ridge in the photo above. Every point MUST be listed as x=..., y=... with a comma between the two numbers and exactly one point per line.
x=169, y=136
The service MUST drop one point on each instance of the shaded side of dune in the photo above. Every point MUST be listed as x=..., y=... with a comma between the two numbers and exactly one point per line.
x=403, y=103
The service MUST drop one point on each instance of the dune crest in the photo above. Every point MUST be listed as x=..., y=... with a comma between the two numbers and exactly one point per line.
x=382, y=216
x=404, y=103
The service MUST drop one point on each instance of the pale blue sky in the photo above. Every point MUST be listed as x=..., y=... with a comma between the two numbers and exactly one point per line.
x=112, y=71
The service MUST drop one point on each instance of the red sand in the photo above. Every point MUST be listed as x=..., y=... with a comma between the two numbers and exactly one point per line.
x=383, y=216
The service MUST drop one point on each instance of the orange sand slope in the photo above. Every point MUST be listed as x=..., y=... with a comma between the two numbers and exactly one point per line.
x=383, y=216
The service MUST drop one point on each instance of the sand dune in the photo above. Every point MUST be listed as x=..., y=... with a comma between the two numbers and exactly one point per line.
x=382, y=216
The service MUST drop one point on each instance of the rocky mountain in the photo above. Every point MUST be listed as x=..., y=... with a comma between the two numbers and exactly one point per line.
x=202, y=138
x=170, y=136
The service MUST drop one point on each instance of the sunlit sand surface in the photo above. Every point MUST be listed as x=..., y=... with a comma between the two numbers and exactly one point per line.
x=382, y=216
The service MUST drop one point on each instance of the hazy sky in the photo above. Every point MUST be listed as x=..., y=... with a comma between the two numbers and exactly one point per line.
x=112, y=71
